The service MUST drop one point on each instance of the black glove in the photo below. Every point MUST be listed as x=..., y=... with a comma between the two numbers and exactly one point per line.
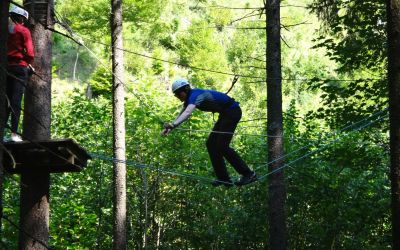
x=168, y=125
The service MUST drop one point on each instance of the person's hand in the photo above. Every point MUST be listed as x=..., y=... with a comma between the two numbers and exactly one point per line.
x=168, y=127
x=166, y=131
x=31, y=70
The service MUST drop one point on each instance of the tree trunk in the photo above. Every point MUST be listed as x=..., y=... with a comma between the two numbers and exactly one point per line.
x=119, y=209
x=393, y=15
x=34, y=198
x=4, y=5
x=276, y=188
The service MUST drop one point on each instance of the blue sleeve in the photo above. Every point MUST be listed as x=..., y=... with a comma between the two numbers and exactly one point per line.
x=194, y=99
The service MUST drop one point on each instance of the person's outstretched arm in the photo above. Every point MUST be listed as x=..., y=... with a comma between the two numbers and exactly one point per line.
x=183, y=116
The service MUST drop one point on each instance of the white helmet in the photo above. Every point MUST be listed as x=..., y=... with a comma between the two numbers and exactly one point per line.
x=179, y=83
x=19, y=11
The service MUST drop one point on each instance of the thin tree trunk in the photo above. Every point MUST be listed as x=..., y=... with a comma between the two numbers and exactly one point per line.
x=34, y=197
x=276, y=188
x=119, y=209
x=4, y=5
x=393, y=15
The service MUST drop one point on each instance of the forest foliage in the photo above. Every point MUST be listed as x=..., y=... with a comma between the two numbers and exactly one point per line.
x=335, y=138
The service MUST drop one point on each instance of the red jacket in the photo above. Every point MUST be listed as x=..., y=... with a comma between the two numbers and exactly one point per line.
x=19, y=46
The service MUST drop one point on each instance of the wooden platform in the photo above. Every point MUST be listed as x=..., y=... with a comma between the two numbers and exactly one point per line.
x=54, y=156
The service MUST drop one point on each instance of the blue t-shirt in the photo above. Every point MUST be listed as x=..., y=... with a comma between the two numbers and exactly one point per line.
x=210, y=100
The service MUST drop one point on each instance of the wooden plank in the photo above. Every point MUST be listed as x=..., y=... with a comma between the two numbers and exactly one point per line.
x=54, y=156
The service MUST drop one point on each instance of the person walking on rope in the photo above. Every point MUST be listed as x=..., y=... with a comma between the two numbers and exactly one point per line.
x=20, y=55
x=221, y=136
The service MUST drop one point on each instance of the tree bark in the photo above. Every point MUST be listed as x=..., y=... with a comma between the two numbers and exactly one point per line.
x=119, y=208
x=393, y=28
x=34, y=197
x=276, y=188
x=4, y=6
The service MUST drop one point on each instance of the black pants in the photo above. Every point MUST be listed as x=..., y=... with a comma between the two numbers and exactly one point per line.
x=17, y=79
x=218, y=145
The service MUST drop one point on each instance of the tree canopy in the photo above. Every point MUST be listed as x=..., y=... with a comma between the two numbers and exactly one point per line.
x=335, y=125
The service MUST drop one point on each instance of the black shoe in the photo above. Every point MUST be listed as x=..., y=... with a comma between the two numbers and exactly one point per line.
x=246, y=179
x=227, y=183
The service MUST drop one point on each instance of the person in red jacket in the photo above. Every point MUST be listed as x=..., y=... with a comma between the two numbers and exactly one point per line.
x=20, y=55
